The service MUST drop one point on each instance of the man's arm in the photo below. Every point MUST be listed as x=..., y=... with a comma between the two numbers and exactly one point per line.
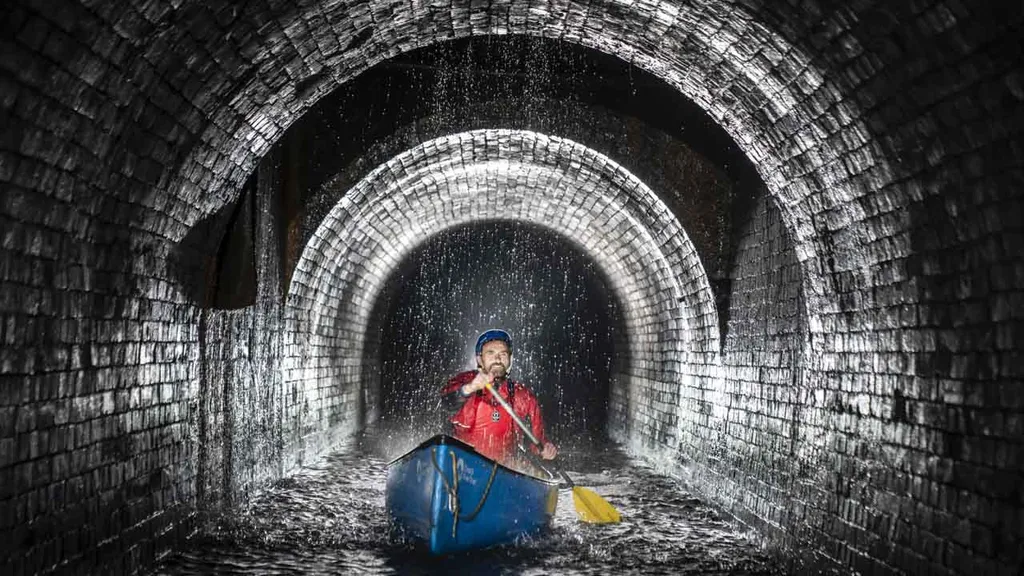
x=452, y=395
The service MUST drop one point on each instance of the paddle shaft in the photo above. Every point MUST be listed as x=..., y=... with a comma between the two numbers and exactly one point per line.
x=522, y=426
x=512, y=413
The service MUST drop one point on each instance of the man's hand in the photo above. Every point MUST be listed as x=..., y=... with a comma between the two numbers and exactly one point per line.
x=549, y=451
x=479, y=382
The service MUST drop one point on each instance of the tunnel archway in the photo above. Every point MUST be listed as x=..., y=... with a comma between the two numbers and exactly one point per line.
x=738, y=63
x=668, y=308
x=809, y=142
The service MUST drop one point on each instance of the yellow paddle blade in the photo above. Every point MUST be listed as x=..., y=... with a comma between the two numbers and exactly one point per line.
x=592, y=508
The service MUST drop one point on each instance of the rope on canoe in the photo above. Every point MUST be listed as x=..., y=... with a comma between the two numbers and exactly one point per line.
x=452, y=488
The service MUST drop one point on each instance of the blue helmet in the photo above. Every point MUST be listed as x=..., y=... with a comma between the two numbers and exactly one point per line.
x=490, y=335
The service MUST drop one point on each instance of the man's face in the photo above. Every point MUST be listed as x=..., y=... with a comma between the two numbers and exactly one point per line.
x=495, y=358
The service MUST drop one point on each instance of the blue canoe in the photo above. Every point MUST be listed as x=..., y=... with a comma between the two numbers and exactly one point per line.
x=481, y=505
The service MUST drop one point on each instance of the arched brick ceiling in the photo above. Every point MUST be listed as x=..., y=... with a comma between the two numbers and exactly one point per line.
x=531, y=84
x=171, y=105
x=207, y=90
x=695, y=190
x=652, y=266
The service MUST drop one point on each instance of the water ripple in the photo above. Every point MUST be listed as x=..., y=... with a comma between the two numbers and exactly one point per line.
x=330, y=519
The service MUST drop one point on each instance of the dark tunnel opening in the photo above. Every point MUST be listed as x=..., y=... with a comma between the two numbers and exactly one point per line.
x=569, y=336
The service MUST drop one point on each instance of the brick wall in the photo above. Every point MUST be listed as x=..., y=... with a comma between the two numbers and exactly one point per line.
x=98, y=370
x=238, y=429
x=749, y=450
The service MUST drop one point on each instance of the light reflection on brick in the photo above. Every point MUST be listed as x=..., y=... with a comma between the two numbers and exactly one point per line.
x=463, y=178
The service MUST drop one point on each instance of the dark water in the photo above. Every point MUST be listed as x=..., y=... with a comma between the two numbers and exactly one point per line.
x=330, y=519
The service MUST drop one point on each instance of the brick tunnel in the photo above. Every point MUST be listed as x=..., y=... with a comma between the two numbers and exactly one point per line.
x=800, y=223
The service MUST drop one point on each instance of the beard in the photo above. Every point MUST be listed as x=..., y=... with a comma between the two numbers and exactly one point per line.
x=497, y=370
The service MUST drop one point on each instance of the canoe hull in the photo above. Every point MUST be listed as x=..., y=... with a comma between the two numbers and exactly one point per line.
x=495, y=505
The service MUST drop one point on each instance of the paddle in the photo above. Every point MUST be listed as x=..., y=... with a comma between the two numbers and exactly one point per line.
x=589, y=506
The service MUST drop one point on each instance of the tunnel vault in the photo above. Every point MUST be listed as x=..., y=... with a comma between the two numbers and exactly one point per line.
x=737, y=63
x=667, y=305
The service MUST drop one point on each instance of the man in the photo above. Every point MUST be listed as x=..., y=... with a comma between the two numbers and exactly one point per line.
x=479, y=420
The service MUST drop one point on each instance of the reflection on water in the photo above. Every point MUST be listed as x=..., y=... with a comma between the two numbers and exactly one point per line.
x=330, y=519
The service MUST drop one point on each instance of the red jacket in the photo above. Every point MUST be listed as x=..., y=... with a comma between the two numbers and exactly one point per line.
x=493, y=436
